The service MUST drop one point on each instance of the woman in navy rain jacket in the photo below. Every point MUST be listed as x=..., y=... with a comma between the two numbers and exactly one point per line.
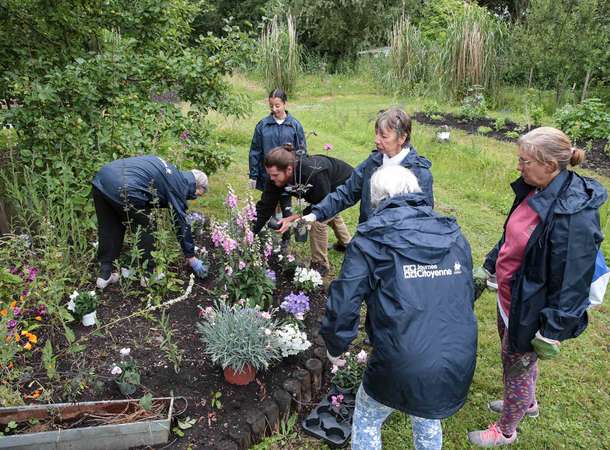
x=392, y=138
x=125, y=191
x=544, y=264
x=413, y=268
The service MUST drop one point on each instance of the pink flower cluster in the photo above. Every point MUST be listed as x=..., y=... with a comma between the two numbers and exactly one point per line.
x=231, y=200
x=336, y=400
x=249, y=210
x=220, y=238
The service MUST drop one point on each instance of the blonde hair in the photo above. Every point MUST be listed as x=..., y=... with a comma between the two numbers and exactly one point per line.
x=548, y=144
x=201, y=179
x=389, y=181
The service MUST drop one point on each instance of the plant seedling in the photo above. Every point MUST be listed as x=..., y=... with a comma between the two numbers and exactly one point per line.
x=215, y=402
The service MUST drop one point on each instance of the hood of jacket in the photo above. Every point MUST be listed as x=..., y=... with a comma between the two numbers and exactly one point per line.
x=425, y=240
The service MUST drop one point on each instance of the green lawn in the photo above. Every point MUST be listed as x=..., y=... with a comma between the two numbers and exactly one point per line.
x=471, y=181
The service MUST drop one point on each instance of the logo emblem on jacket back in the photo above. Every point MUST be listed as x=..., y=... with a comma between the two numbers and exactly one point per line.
x=430, y=271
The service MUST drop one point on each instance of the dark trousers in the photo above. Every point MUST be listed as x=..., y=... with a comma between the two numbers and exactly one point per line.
x=112, y=220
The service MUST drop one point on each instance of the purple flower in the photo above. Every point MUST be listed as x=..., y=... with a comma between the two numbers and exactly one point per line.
x=185, y=135
x=32, y=274
x=328, y=147
x=268, y=250
x=16, y=312
x=195, y=217
x=231, y=200
x=249, y=237
x=11, y=324
x=241, y=265
x=296, y=304
x=270, y=274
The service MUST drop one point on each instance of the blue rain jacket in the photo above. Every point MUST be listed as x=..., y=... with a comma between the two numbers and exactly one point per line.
x=358, y=186
x=413, y=268
x=268, y=134
x=143, y=182
x=550, y=291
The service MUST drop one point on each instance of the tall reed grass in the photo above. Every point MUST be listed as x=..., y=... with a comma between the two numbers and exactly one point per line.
x=472, y=51
x=407, y=58
x=279, y=54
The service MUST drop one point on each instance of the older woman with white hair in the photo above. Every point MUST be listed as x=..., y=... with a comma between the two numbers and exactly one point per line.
x=124, y=193
x=413, y=268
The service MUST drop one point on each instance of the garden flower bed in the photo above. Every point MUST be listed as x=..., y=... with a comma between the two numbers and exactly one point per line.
x=149, y=341
x=597, y=158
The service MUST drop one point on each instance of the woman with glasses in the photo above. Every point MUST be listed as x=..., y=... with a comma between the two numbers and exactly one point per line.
x=543, y=264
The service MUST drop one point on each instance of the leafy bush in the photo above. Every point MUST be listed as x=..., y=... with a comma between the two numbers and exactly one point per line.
x=484, y=130
x=500, y=123
x=235, y=337
x=589, y=120
x=82, y=303
x=474, y=105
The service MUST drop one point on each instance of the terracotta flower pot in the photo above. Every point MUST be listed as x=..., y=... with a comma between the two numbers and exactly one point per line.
x=240, y=378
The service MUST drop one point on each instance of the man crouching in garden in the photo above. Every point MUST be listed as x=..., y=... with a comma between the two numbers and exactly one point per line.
x=125, y=192
x=287, y=174
x=413, y=268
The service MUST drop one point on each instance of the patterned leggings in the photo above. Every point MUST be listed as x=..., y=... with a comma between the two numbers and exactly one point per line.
x=369, y=415
x=520, y=372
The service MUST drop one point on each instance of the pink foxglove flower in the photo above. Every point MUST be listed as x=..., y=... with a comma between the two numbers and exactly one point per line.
x=231, y=200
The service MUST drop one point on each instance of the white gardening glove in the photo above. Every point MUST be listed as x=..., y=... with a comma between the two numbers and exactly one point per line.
x=335, y=360
x=309, y=218
x=252, y=184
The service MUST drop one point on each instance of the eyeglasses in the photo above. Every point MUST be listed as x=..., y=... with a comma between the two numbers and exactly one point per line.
x=525, y=162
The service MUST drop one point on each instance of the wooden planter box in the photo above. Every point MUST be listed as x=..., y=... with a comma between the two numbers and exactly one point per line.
x=102, y=437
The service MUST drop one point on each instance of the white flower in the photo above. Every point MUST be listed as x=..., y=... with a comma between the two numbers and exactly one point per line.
x=334, y=369
x=299, y=316
x=127, y=272
x=116, y=370
x=95, y=244
x=92, y=293
x=125, y=351
x=266, y=315
x=71, y=306
x=267, y=332
x=361, y=357
x=74, y=295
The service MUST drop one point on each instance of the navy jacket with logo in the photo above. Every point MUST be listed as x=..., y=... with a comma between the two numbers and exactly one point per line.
x=146, y=181
x=413, y=268
x=358, y=186
x=550, y=291
x=268, y=134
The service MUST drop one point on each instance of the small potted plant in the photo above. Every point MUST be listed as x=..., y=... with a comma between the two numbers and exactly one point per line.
x=348, y=377
x=240, y=340
x=84, y=306
x=126, y=372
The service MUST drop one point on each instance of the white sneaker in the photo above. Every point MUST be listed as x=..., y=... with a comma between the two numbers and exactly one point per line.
x=492, y=283
x=101, y=283
x=154, y=278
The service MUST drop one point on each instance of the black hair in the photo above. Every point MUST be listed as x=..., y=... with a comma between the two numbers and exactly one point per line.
x=279, y=93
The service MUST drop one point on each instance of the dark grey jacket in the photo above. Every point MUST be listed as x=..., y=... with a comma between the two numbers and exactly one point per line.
x=550, y=291
x=413, y=268
x=147, y=181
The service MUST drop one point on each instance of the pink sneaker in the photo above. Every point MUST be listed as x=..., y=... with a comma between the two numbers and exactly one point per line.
x=492, y=437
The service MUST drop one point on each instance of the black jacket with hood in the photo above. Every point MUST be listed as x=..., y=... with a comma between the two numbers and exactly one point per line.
x=413, y=268
x=143, y=182
x=550, y=291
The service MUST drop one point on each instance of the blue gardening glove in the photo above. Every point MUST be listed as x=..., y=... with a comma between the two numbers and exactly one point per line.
x=545, y=348
x=199, y=268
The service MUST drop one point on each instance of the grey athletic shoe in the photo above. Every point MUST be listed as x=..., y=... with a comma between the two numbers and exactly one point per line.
x=492, y=283
x=496, y=406
x=101, y=283
x=491, y=437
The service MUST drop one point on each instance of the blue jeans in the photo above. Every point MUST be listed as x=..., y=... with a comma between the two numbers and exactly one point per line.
x=369, y=415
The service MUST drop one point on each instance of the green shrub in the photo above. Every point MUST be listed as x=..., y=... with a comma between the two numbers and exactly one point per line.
x=500, y=123
x=474, y=105
x=512, y=134
x=484, y=130
x=589, y=120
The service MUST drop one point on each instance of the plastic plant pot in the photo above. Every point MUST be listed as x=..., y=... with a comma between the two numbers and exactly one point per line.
x=88, y=320
x=300, y=234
